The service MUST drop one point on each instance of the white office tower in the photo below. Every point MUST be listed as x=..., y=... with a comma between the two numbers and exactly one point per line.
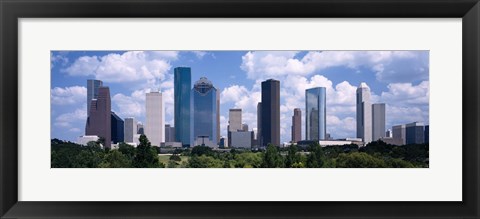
x=154, y=125
x=364, y=113
x=130, y=129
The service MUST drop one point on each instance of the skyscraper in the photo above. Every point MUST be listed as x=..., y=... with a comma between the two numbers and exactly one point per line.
x=316, y=113
x=182, y=117
x=169, y=133
x=92, y=91
x=154, y=125
x=205, y=110
x=378, y=121
x=234, y=123
x=399, y=132
x=296, y=125
x=117, y=128
x=364, y=113
x=99, y=120
x=259, y=124
x=271, y=112
x=140, y=129
x=427, y=134
x=130, y=129
x=414, y=133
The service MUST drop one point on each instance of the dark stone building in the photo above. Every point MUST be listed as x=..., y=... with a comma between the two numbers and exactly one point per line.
x=271, y=112
x=99, y=120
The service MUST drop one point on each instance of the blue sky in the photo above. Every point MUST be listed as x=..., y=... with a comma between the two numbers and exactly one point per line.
x=398, y=78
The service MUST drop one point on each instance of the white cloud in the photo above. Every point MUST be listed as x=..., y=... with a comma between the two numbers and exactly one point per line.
x=405, y=94
x=68, y=95
x=233, y=93
x=388, y=66
x=132, y=66
x=65, y=120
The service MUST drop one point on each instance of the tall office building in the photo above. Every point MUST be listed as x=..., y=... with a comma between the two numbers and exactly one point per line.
x=234, y=120
x=154, y=124
x=92, y=91
x=130, y=129
x=427, y=134
x=316, y=113
x=182, y=111
x=296, y=125
x=234, y=123
x=116, y=128
x=271, y=112
x=398, y=132
x=169, y=133
x=140, y=129
x=218, y=116
x=205, y=110
x=389, y=134
x=259, y=124
x=245, y=127
x=99, y=119
x=378, y=121
x=414, y=133
x=364, y=113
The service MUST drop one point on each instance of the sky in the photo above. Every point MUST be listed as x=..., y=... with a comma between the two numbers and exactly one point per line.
x=398, y=78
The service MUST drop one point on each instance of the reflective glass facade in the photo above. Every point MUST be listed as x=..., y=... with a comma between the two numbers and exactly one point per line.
x=316, y=113
x=205, y=110
x=182, y=90
x=117, y=128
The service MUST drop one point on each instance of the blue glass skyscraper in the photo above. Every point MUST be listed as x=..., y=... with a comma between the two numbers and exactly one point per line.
x=205, y=110
x=316, y=113
x=182, y=86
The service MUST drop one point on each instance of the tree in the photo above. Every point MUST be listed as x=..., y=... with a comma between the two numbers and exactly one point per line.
x=201, y=150
x=204, y=162
x=146, y=156
x=292, y=156
x=272, y=158
x=316, y=157
x=127, y=150
x=359, y=160
x=115, y=159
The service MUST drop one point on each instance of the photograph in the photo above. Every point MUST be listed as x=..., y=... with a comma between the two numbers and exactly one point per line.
x=239, y=109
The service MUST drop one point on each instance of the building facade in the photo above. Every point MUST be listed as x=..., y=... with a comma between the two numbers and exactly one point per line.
x=242, y=139
x=415, y=133
x=99, y=119
x=234, y=123
x=316, y=113
x=398, y=132
x=130, y=129
x=92, y=92
x=427, y=134
x=378, y=121
x=364, y=113
x=155, y=113
x=182, y=111
x=270, y=112
x=205, y=111
x=296, y=125
x=259, y=124
x=169, y=133
x=117, y=128
x=140, y=129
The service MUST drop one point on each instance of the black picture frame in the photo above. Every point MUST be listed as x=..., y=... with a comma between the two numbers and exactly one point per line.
x=12, y=10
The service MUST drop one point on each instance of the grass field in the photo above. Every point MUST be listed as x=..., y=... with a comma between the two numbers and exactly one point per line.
x=164, y=158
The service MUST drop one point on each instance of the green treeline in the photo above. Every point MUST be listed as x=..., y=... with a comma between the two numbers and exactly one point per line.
x=375, y=155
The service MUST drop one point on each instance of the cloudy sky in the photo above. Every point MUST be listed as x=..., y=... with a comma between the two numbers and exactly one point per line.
x=398, y=78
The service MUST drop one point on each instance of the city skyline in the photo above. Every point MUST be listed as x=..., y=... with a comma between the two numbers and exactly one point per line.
x=243, y=93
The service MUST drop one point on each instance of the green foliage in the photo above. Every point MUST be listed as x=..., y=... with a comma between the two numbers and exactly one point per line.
x=272, y=158
x=146, y=156
x=316, y=157
x=175, y=158
x=115, y=159
x=204, y=161
x=201, y=150
x=359, y=160
x=376, y=154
